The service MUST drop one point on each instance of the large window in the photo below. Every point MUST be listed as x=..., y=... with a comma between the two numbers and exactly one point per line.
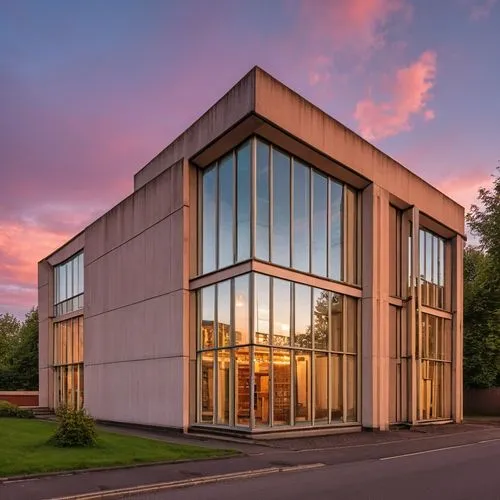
x=258, y=201
x=68, y=362
x=436, y=363
x=432, y=269
x=276, y=353
x=68, y=285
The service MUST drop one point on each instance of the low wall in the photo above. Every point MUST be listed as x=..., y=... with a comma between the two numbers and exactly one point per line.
x=482, y=402
x=20, y=398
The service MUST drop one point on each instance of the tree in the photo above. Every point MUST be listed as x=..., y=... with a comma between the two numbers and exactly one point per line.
x=9, y=335
x=19, y=352
x=482, y=292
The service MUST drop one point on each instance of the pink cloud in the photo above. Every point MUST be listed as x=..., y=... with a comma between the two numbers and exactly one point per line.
x=481, y=10
x=464, y=189
x=410, y=96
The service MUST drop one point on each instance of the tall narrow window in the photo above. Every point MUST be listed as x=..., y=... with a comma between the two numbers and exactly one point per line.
x=209, y=219
x=262, y=197
x=243, y=185
x=336, y=229
x=281, y=209
x=319, y=224
x=226, y=214
x=301, y=216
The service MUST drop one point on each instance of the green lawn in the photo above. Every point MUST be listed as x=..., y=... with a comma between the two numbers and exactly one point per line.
x=24, y=450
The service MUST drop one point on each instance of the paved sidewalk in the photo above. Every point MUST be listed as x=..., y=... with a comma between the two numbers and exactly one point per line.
x=335, y=449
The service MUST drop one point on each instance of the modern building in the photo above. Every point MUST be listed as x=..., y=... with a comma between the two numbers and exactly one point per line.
x=271, y=271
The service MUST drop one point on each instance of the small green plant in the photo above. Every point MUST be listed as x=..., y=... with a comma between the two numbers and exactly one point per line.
x=75, y=428
x=13, y=411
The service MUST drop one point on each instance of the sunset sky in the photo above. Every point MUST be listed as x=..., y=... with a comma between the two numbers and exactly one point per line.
x=90, y=91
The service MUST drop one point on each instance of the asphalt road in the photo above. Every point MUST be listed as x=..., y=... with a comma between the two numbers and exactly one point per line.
x=462, y=472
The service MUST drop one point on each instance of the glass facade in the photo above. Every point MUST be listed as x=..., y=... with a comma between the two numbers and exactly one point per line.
x=260, y=202
x=276, y=353
x=68, y=362
x=432, y=269
x=436, y=356
x=68, y=286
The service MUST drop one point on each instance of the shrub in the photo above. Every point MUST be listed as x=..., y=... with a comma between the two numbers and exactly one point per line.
x=10, y=410
x=75, y=428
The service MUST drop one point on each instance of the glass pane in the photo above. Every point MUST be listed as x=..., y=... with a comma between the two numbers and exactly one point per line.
x=301, y=213
x=243, y=198
x=428, y=257
x=209, y=219
x=262, y=188
x=207, y=387
x=320, y=387
x=281, y=310
x=319, y=224
x=242, y=393
x=242, y=309
x=262, y=309
x=69, y=333
x=435, y=259
x=441, y=263
x=76, y=282
x=76, y=357
x=320, y=325
x=302, y=369
x=223, y=367
x=261, y=388
x=336, y=388
x=80, y=339
x=422, y=253
x=281, y=209
x=335, y=265
x=80, y=273
x=62, y=283
x=352, y=324
x=69, y=277
x=64, y=343
x=303, y=330
x=56, y=344
x=224, y=313
x=350, y=236
x=56, y=286
x=352, y=378
x=336, y=321
x=207, y=339
x=281, y=387
x=81, y=385
x=226, y=208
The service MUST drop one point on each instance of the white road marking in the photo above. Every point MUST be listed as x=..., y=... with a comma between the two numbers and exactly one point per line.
x=437, y=450
x=152, y=488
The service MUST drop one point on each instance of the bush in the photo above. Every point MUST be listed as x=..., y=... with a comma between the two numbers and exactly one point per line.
x=75, y=428
x=9, y=410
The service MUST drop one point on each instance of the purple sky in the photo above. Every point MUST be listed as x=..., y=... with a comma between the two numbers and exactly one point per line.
x=90, y=91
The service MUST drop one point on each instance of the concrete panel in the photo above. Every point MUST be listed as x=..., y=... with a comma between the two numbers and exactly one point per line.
x=44, y=396
x=141, y=210
x=225, y=114
x=145, y=330
x=146, y=266
x=150, y=392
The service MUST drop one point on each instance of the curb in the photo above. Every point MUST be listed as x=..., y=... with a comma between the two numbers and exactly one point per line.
x=70, y=472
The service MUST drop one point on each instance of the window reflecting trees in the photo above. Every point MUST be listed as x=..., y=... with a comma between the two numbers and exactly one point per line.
x=294, y=362
x=301, y=218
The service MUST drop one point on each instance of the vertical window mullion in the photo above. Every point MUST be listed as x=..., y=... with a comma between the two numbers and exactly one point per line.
x=271, y=203
x=253, y=196
x=217, y=207
x=235, y=207
x=344, y=360
x=290, y=208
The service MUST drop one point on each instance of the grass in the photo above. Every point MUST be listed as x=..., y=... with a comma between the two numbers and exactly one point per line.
x=24, y=450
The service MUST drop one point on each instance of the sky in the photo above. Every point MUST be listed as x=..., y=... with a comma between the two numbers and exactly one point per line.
x=91, y=91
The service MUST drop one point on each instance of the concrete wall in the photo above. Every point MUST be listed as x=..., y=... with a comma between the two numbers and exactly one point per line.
x=136, y=351
x=482, y=402
x=20, y=398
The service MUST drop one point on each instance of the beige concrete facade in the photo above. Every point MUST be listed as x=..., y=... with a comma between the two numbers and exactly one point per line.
x=142, y=269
